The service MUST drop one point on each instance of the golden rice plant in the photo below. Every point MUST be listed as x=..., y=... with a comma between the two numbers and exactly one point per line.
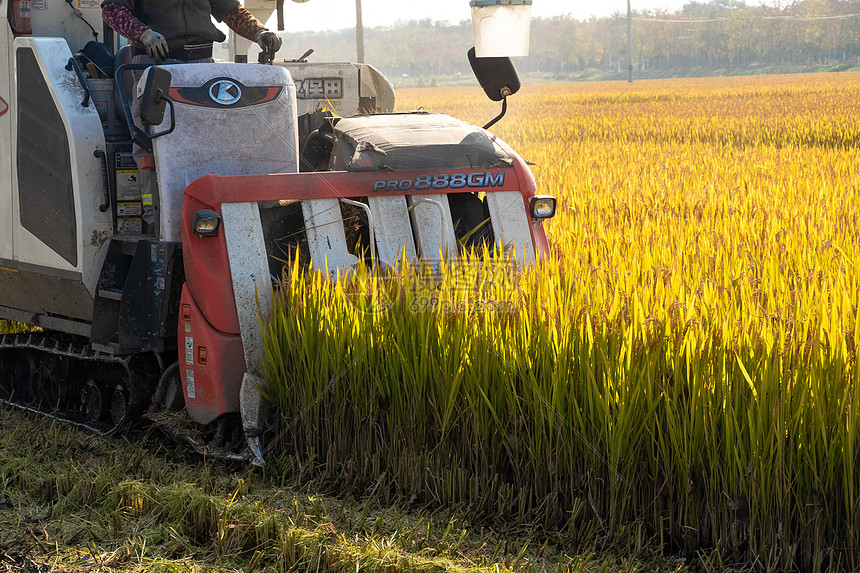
x=683, y=366
x=8, y=327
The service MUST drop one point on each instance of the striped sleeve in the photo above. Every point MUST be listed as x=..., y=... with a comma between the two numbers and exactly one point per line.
x=123, y=21
x=243, y=23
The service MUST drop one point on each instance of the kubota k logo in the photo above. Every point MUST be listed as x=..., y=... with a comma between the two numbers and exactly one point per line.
x=4, y=107
x=225, y=92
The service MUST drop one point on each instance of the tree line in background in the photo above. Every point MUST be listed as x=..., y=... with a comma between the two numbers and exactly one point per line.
x=718, y=37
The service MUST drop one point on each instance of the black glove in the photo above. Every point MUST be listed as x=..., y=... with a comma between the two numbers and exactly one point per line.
x=269, y=41
x=155, y=44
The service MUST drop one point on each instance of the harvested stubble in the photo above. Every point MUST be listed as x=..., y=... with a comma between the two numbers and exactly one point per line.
x=684, y=364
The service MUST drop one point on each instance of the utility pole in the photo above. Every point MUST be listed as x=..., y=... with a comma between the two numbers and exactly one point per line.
x=629, y=44
x=359, y=33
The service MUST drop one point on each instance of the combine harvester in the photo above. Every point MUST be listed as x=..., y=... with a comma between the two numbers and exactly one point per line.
x=162, y=319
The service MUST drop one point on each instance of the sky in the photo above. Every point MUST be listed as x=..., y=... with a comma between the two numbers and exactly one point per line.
x=338, y=14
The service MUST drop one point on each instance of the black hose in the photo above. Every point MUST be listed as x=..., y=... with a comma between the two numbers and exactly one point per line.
x=80, y=15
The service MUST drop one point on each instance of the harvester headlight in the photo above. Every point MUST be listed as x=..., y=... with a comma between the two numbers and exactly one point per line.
x=543, y=207
x=206, y=223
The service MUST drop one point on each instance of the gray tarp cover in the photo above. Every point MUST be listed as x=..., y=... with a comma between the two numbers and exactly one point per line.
x=413, y=141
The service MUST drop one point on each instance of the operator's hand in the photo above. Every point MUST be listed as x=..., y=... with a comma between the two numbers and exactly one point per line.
x=155, y=44
x=269, y=41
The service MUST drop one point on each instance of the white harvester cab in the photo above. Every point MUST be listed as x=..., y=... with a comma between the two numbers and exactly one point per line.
x=229, y=119
x=249, y=167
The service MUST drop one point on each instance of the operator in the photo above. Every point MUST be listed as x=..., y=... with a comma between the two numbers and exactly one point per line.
x=182, y=30
x=173, y=32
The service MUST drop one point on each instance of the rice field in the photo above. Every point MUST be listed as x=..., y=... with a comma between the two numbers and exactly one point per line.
x=680, y=372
